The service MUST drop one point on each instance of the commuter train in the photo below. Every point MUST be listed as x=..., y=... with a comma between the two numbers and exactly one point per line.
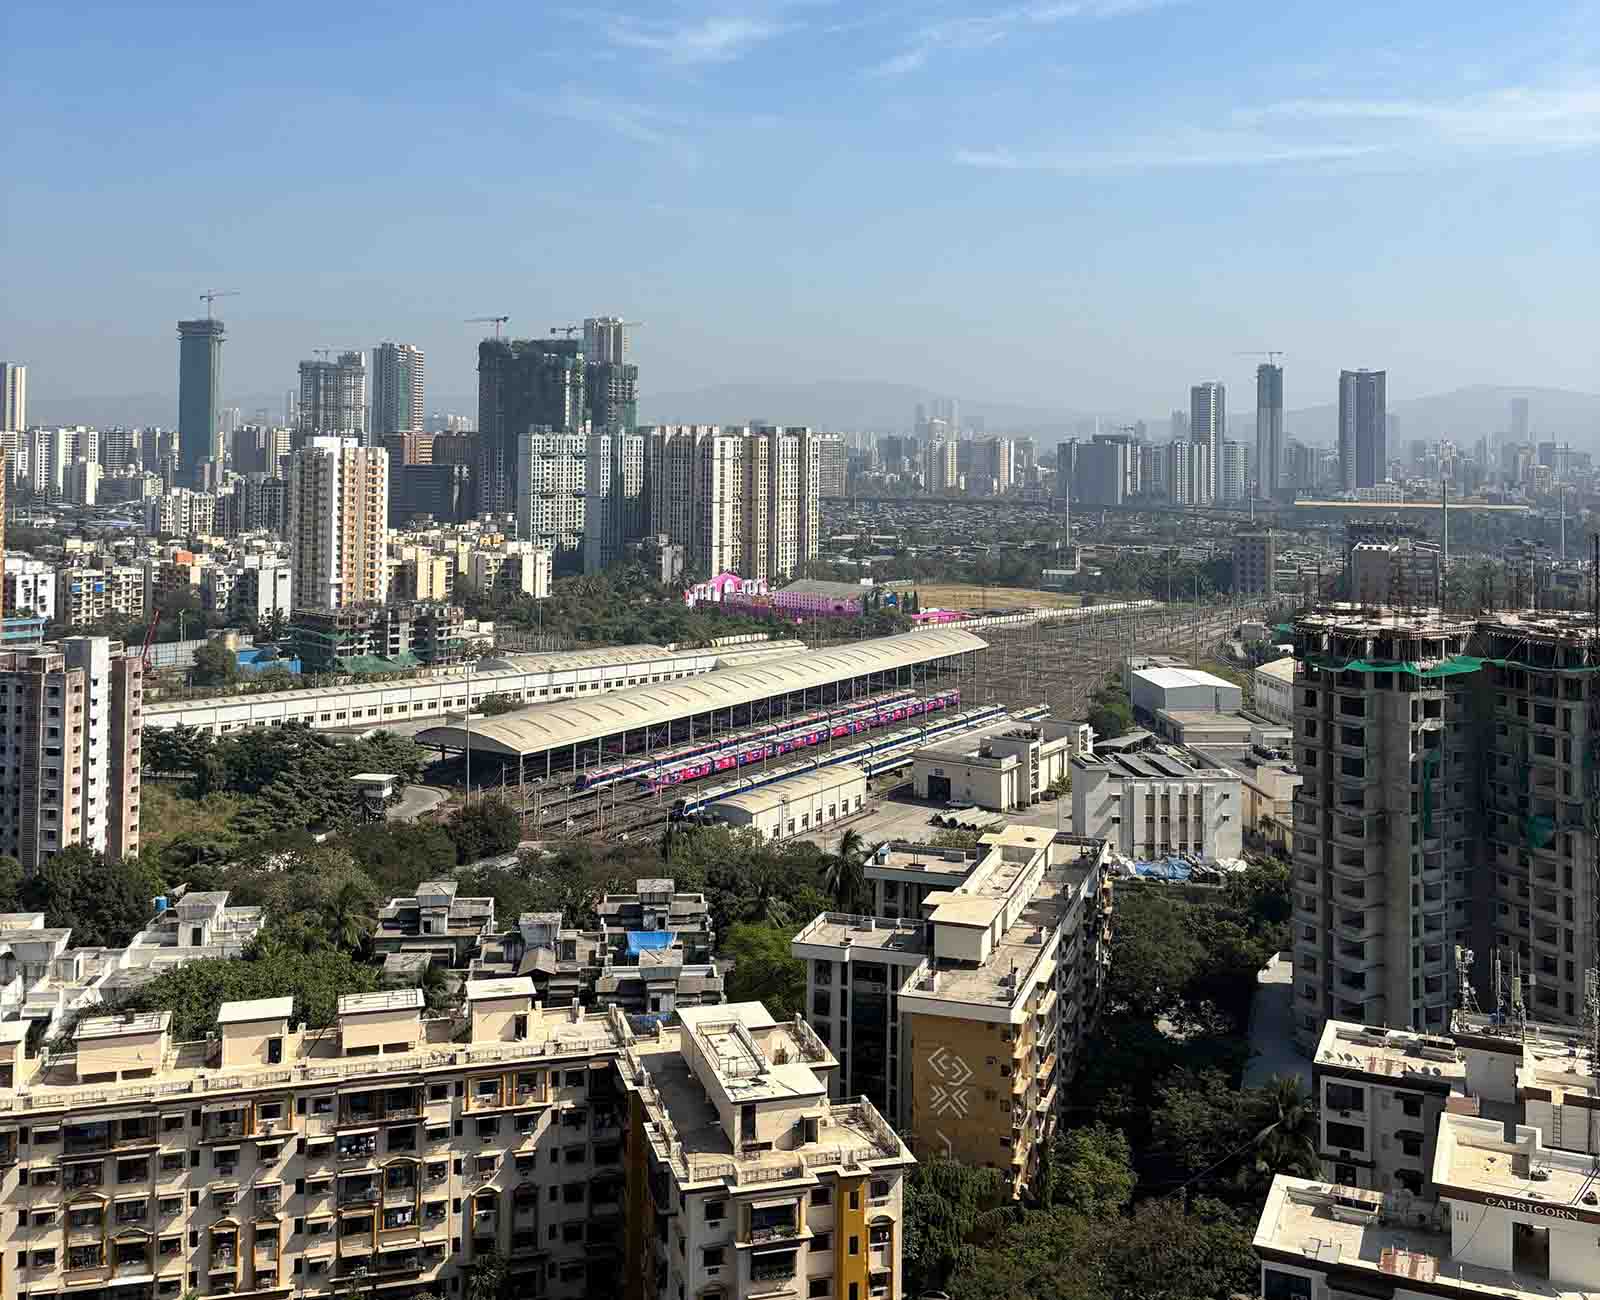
x=719, y=753
x=875, y=755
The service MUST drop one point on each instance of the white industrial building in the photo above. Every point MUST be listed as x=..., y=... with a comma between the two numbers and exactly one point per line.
x=1006, y=766
x=1152, y=690
x=797, y=805
x=1275, y=690
x=1158, y=802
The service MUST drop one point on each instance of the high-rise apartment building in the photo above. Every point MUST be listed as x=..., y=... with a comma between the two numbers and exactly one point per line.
x=1363, y=455
x=333, y=398
x=611, y=396
x=939, y=465
x=397, y=388
x=1269, y=430
x=1519, y=419
x=1446, y=777
x=1255, y=563
x=779, y=483
x=523, y=384
x=1188, y=473
x=337, y=523
x=199, y=394
x=72, y=748
x=1208, y=425
x=1101, y=476
x=13, y=396
x=614, y=497
x=833, y=466
x=551, y=474
x=1233, y=478
x=605, y=339
x=716, y=534
x=960, y=1007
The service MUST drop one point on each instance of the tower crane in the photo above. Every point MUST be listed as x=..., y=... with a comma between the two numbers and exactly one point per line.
x=1271, y=354
x=496, y=321
x=568, y=330
x=211, y=295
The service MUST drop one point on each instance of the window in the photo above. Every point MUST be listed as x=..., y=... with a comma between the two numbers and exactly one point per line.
x=715, y=1211
x=816, y=1287
x=1341, y=1096
x=822, y=1196
x=712, y=1256
x=822, y=1241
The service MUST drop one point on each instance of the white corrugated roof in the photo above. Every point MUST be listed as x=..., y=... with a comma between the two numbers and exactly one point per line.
x=1282, y=669
x=1168, y=678
x=793, y=788
x=539, y=727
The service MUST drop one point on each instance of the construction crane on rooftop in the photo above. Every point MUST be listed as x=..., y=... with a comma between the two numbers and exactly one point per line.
x=568, y=330
x=211, y=295
x=1271, y=354
x=496, y=321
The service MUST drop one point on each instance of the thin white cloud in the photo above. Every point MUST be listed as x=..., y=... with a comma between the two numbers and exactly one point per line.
x=978, y=30
x=640, y=123
x=714, y=39
x=1509, y=122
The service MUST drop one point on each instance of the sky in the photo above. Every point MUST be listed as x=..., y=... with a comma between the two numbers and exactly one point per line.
x=1089, y=204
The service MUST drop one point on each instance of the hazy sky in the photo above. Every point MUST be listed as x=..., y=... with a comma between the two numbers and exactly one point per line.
x=1084, y=202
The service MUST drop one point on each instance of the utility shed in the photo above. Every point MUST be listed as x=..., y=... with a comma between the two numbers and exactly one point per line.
x=797, y=805
x=1155, y=689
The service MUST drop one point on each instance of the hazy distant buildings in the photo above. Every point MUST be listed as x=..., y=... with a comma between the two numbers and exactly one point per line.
x=13, y=396
x=397, y=390
x=1269, y=430
x=1233, y=477
x=1519, y=419
x=199, y=389
x=1208, y=425
x=333, y=398
x=833, y=466
x=523, y=384
x=1100, y=475
x=1362, y=428
x=939, y=464
x=1188, y=474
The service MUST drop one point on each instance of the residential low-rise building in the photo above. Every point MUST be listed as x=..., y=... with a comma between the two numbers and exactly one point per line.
x=1002, y=767
x=753, y=1181
x=1158, y=802
x=85, y=597
x=961, y=1009
x=30, y=588
x=437, y=922
x=263, y=589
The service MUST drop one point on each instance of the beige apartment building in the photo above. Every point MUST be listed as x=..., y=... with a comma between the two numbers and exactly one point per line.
x=744, y=1178
x=70, y=761
x=960, y=1008
x=85, y=597
x=387, y=1153
x=338, y=524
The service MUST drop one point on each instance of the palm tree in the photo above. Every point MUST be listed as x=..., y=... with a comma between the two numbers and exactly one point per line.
x=348, y=922
x=1287, y=1141
x=844, y=879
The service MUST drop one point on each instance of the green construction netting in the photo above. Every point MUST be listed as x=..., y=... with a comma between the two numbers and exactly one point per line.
x=1538, y=831
x=1283, y=629
x=1448, y=668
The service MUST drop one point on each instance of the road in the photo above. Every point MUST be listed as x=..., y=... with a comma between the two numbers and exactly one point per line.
x=1272, y=1049
x=417, y=800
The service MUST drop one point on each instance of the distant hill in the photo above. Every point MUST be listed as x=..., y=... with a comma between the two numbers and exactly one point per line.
x=1465, y=414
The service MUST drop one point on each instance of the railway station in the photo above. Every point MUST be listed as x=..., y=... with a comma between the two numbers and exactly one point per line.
x=545, y=740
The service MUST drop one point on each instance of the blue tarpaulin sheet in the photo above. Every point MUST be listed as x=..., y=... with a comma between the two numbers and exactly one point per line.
x=1168, y=869
x=642, y=940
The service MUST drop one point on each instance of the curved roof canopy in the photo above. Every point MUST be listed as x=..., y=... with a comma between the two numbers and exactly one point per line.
x=539, y=727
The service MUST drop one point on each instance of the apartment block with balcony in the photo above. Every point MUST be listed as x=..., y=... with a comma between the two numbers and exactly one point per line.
x=751, y=1180
x=435, y=923
x=385, y=1152
x=1448, y=766
x=963, y=1010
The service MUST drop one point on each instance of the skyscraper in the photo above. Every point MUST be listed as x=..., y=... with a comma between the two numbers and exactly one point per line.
x=523, y=384
x=1519, y=419
x=333, y=398
x=338, y=523
x=1233, y=475
x=611, y=395
x=1363, y=459
x=1269, y=430
x=13, y=396
x=614, y=497
x=199, y=390
x=605, y=339
x=1208, y=424
x=396, y=390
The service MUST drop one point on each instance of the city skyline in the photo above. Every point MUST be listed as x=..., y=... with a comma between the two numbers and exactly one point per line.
x=1454, y=123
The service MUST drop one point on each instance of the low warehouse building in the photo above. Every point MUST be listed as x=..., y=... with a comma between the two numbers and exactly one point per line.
x=800, y=804
x=1002, y=767
x=1153, y=689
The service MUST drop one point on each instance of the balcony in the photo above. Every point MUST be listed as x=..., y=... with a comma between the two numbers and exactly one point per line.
x=769, y=1230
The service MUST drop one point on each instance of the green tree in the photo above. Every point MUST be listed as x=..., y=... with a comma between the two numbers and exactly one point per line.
x=765, y=971
x=844, y=879
x=1286, y=1142
x=1154, y=955
x=488, y=1278
x=103, y=901
x=214, y=665
x=1092, y=1171
x=951, y=1209
x=1110, y=712
x=483, y=828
